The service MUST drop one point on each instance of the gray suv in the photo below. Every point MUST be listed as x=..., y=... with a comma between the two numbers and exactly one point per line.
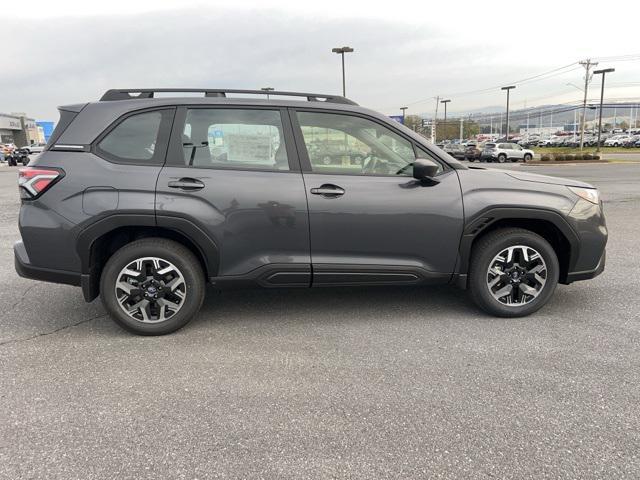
x=143, y=199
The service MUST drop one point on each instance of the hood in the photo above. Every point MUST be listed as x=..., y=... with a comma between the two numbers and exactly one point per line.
x=534, y=177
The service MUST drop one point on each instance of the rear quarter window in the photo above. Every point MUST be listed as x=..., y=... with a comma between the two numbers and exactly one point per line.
x=139, y=139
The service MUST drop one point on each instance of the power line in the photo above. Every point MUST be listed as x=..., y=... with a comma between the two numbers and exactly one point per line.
x=541, y=76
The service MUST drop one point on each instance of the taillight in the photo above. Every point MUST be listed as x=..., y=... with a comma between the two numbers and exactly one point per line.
x=34, y=181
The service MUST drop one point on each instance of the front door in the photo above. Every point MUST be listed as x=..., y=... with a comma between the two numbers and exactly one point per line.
x=233, y=173
x=370, y=220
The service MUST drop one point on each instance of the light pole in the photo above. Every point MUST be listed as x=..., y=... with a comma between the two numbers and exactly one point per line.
x=404, y=109
x=604, y=71
x=342, y=51
x=508, y=89
x=267, y=89
x=445, y=114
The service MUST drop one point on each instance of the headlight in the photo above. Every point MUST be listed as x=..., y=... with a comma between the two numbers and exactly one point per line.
x=589, y=194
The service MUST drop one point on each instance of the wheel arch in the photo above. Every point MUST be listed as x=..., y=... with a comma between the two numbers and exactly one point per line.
x=547, y=223
x=102, y=239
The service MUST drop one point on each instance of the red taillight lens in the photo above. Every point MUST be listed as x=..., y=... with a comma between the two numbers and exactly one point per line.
x=34, y=181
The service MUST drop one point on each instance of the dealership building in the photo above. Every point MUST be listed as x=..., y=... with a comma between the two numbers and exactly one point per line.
x=19, y=129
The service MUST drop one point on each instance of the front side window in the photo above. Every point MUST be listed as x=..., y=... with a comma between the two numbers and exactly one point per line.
x=345, y=144
x=134, y=139
x=234, y=138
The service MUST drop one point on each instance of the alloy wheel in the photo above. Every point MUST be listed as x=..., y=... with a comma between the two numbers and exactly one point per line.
x=516, y=275
x=150, y=290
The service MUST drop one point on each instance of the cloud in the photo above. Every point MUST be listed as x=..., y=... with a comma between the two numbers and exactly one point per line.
x=75, y=59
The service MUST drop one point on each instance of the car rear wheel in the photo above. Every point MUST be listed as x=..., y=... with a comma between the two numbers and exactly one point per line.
x=513, y=272
x=152, y=286
x=502, y=158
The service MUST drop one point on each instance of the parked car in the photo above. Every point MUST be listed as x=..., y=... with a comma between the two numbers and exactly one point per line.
x=330, y=154
x=128, y=202
x=631, y=141
x=616, y=140
x=501, y=152
x=473, y=152
x=456, y=150
x=34, y=148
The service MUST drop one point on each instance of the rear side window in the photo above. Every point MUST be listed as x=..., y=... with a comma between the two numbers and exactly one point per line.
x=138, y=139
x=234, y=138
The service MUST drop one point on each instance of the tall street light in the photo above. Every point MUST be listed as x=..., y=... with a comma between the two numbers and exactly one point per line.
x=404, y=109
x=342, y=51
x=267, y=89
x=445, y=114
x=604, y=71
x=508, y=89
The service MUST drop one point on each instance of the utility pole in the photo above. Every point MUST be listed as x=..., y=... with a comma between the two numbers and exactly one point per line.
x=433, y=124
x=445, y=115
x=602, y=72
x=587, y=64
x=540, y=123
x=508, y=89
x=461, y=128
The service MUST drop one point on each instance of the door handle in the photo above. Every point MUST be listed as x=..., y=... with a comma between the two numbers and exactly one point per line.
x=328, y=190
x=186, y=184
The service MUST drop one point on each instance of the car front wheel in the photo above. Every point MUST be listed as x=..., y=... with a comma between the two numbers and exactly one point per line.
x=527, y=157
x=152, y=286
x=513, y=272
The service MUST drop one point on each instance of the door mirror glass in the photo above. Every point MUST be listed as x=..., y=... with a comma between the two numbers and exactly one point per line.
x=425, y=169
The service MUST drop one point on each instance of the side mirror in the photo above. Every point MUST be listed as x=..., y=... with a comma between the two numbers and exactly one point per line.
x=425, y=169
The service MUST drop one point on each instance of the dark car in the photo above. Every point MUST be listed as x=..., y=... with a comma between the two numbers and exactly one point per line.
x=144, y=200
x=456, y=150
x=473, y=152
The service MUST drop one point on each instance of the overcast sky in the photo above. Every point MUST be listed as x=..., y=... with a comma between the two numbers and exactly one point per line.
x=406, y=53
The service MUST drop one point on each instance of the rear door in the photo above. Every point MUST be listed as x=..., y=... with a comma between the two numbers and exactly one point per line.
x=516, y=151
x=372, y=222
x=233, y=172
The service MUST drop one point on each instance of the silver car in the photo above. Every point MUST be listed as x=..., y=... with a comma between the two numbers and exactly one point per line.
x=501, y=152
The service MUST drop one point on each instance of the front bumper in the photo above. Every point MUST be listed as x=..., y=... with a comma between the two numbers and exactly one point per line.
x=588, y=274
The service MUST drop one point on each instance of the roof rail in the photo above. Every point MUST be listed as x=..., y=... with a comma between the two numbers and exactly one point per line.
x=133, y=93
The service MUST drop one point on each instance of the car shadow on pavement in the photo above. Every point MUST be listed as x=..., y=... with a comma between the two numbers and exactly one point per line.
x=344, y=304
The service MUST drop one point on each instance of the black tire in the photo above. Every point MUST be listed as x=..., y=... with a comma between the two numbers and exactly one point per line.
x=181, y=257
x=502, y=158
x=527, y=157
x=25, y=161
x=491, y=245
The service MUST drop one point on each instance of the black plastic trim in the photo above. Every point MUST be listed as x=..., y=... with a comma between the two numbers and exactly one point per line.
x=268, y=276
x=26, y=270
x=327, y=275
x=487, y=217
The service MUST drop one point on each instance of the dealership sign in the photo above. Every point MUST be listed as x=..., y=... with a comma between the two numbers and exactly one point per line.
x=10, y=123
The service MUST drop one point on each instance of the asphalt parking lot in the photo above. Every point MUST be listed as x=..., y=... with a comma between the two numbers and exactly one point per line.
x=330, y=383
